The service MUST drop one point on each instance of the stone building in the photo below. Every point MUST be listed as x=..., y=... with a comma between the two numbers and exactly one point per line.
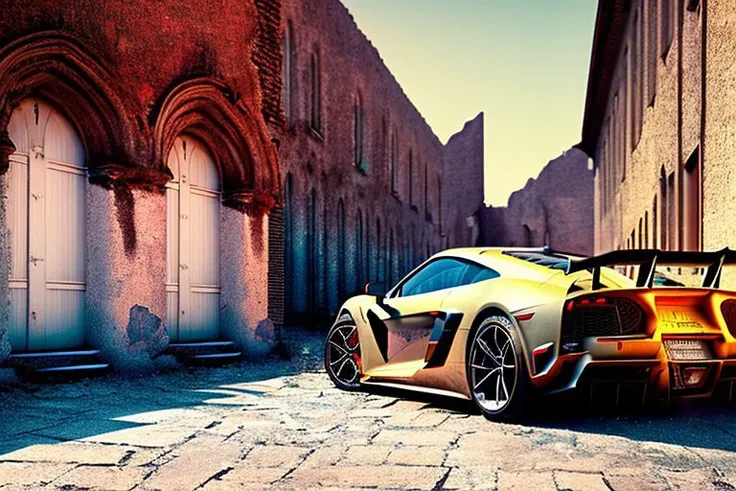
x=149, y=170
x=138, y=175
x=659, y=121
x=555, y=209
x=369, y=190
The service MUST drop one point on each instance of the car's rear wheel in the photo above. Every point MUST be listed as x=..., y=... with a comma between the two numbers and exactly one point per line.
x=498, y=380
x=342, y=356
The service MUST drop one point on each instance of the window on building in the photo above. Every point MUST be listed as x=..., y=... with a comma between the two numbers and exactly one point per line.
x=624, y=114
x=646, y=229
x=655, y=223
x=639, y=70
x=671, y=213
x=641, y=236
x=612, y=138
x=663, y=212
x=358, y=151
x=411, y=179
x=393, y=163
x=315, y=75
x=385, y=157
x=379, y=253
x=287, y=70
x=667, y=25
x=342, y=257
x=692, y=203
x=439, y=202
x=604, y=178
x=528, y=242
x=427, y=213
x=635, y=74
x=652, y=51
x=360, y=251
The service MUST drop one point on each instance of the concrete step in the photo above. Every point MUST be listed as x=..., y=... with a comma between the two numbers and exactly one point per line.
x=52, y=354
x=188, y=350
x=40, y=360
x=218, y=356
x=75, y=368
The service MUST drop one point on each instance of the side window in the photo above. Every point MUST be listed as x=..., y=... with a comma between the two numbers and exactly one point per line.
x=476, y=273
x=437, y=275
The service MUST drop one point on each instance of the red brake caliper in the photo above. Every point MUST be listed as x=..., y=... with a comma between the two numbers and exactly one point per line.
x=352, y=344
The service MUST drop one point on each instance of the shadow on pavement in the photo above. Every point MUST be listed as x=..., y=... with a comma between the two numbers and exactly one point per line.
x=692, y=423
x=44, y=413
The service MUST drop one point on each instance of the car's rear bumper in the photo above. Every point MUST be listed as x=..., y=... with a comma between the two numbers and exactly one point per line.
x=633, y=361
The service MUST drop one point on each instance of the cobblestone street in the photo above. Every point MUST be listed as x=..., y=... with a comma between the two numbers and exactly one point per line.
x=282, y=425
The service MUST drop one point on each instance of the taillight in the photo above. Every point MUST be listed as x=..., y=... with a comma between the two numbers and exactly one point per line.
x=728, y=309
x=599, y=316
x=587, y=302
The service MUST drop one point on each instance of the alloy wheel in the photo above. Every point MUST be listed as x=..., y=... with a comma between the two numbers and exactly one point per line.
x=342, y=356
x=493, y=367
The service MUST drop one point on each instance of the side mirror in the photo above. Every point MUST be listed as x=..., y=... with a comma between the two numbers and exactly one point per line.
x=375, y=289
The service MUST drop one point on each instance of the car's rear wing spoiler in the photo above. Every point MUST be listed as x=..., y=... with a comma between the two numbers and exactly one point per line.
x=648, y=259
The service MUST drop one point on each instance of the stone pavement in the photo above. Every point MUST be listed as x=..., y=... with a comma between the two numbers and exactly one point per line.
x=281, y=425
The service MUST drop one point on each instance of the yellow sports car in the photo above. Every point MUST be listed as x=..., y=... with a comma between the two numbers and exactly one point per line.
x=497, y=325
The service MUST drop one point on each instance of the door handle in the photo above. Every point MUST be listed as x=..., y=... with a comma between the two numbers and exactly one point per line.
x=34, y=260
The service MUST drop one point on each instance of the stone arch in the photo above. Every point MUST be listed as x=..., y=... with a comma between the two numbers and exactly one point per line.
x=58, y=68
x=237, y=139
x=528, y=236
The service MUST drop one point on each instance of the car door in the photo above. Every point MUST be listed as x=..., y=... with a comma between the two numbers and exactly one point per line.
x=404, y=321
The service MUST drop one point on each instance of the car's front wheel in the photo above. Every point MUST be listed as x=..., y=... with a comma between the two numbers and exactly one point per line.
x=342, y=356
x=498, y=380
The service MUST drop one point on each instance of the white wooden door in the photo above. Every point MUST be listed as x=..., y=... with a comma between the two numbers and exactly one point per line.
x=46, y=223
x=193, y=243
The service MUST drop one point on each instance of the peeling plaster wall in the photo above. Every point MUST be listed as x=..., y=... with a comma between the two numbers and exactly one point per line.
x=126, y=295
x=4, y=272
x=132, y=76
x=243, y=275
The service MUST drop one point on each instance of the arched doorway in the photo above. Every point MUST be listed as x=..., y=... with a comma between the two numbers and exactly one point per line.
x=289, y=290
x=341, y=253
x=193, y=243
x=46, y=224
x=312, y=252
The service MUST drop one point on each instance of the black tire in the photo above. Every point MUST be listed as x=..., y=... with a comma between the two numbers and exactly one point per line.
x=342, y=356
x=508, y=400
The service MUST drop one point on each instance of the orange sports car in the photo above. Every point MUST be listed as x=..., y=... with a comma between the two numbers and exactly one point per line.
x=497, y=325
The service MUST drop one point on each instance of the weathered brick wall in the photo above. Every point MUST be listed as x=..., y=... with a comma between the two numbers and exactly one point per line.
x=329, y=257
x=555, y=209
x=267, y=57
x=463, y=183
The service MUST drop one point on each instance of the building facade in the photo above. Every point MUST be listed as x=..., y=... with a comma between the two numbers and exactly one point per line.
x=369, y=190
x=170, y=178
x=659, y=123
x=555, y=209
x=138, y=175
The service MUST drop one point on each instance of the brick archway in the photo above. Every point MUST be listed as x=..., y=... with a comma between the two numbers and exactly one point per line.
x=238, y=141
x=58, y=68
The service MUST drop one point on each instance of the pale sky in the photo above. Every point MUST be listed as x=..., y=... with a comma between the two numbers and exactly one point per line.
x=524, y=63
